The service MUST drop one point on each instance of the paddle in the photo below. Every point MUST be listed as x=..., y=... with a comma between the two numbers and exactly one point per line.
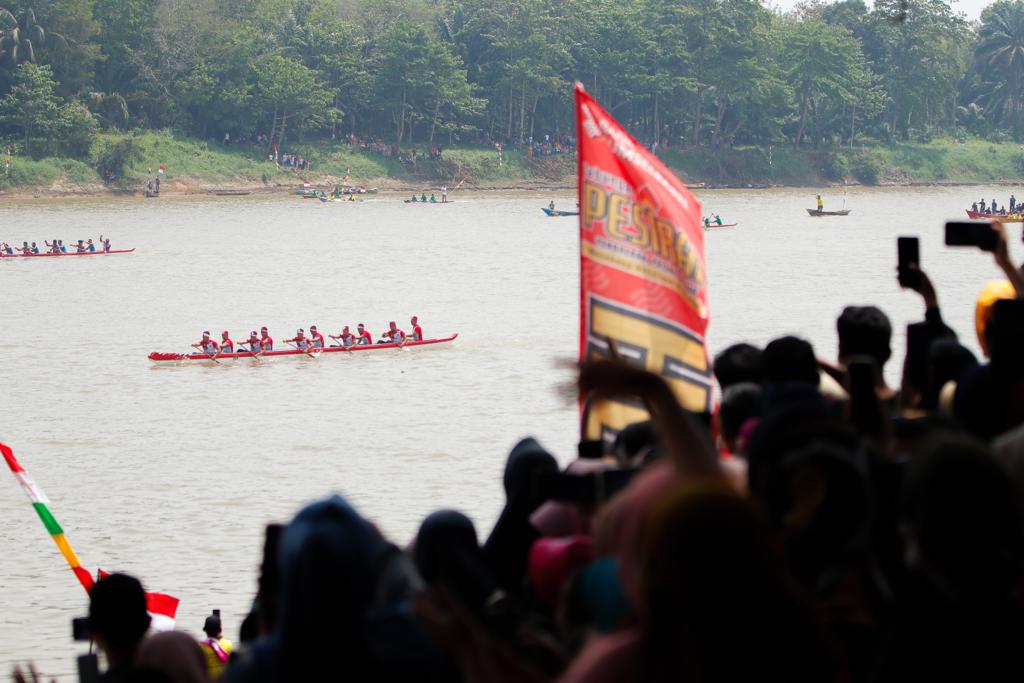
x=305, y=351
x=342, y=345
x=213, y=358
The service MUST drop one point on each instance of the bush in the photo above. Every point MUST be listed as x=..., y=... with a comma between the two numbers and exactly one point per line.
x=866, y=168
x=78, y=129
x=112, y=159
x=835, y=166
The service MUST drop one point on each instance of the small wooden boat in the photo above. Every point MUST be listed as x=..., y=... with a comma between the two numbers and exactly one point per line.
x=1004, y=218
x=723, y=225
x=694, y=186
x=815, y=212
x=556, y=212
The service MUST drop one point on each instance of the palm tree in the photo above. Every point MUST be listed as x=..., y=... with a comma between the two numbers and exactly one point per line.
x=1000, y=60
x=20, y=39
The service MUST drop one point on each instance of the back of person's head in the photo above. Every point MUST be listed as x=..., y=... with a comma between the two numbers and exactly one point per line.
x=447, y=553
x=790, y=359
x=172, y=656
x=947, y=361
x=740, y=402
x=634, y=439
x=117, y=612
x=961, y=516
x=713, y=586
x=212, y=627
x=864, y=331
x=738, y=363
x=527, y=461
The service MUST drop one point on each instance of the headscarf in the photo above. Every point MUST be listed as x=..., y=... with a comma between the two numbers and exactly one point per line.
x=446, y=552
x=508, y=545
x=344, y=602
x=175, y=655
x=553, y=561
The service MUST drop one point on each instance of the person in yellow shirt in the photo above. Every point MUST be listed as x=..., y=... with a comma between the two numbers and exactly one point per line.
x=216, y=647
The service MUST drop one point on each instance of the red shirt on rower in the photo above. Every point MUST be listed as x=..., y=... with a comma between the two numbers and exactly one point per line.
x=207, y=345
x=226, y=345
x=394, y=334
x=253, y=342
x=315, y=338
x=417, y=332
x=363, y=338
x=300, y=340
x=266, y=341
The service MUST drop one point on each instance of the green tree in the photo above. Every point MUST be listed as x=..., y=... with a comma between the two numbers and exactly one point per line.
x=31, y=107
x=999, y=63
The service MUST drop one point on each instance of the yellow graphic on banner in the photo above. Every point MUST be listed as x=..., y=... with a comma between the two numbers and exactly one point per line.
x=658, y=346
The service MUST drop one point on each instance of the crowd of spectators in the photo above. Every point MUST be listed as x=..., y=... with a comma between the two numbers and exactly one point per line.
x=820, y=525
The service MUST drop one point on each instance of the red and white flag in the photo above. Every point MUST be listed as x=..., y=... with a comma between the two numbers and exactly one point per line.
x=161, y=170
x=643, y=281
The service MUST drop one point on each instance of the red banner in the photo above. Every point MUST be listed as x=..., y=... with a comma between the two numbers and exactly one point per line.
x=643, y=281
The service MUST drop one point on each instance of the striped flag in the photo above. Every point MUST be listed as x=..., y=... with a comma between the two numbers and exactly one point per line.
x=162, y=608
x=41, y=504
x=161, y=170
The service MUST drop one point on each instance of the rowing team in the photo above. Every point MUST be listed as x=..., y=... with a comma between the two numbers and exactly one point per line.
x=311, y=342
x=55, y=247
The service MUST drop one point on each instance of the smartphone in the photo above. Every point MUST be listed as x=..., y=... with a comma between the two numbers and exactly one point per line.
x=80, y=629
x=908, y=252
x=584, y=489
x=88, y=668
x=971, y=234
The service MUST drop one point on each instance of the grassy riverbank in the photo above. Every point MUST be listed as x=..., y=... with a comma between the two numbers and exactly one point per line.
x=195, y=166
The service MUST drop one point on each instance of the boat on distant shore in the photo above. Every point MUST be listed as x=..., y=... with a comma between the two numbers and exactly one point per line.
x=842, y=212
x=159, y=357
x=1002, y=217
x=556, y=212
x=71, y=253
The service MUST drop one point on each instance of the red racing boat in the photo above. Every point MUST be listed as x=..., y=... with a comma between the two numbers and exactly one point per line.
x=71, y=253
x=176, y=357
x=1005, y=218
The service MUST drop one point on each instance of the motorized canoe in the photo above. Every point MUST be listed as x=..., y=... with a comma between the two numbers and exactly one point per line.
x=177, y=357
x=1005, y=218
x=815, y=212
x=72, y=253
x=556, y=212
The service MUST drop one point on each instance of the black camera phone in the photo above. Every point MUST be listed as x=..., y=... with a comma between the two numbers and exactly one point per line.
x=908, y=252
x=80, y=629
x=971, y=234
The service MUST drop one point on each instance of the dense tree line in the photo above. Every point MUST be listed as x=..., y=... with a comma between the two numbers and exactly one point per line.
x=678, y=72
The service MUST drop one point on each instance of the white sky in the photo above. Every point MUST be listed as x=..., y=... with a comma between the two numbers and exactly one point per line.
x=971, y=8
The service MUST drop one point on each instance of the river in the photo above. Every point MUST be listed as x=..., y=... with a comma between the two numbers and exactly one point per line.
x=171, y=473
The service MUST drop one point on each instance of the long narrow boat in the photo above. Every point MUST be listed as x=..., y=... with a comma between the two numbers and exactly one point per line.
x=71, y=253
x=723, y=225
x=815, y=212
x=176, y=357
x=409, y=201
x=1005, y=218
x=556, y=212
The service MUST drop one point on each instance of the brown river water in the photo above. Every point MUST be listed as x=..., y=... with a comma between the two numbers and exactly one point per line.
x=171, y=473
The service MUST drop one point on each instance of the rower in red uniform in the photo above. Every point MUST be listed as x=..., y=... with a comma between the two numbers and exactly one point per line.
x=417, y=331
x=253, y=342
x=105, y=243
x=24, y=248
x=315, y=338
x=393, y=334
x=207, y=345
x=346, y=337
x=226, y=345
x=265, y=340
x=300, y=340
x=363, y=336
